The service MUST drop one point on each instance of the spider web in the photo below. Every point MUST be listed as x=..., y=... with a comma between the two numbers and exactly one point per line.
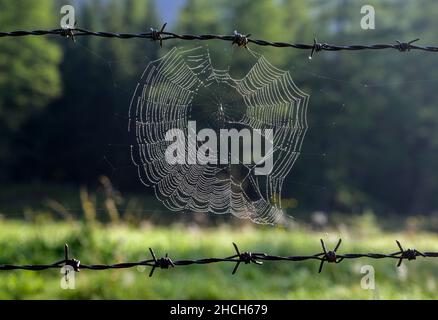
x=183, y=86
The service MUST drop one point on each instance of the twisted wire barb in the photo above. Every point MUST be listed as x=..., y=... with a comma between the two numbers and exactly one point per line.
x=329, y=256
x=237, y=38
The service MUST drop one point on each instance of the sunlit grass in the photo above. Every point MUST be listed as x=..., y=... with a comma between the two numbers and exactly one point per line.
x=43, y=243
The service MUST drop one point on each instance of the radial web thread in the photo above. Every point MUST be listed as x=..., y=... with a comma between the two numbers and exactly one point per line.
x=168, y=96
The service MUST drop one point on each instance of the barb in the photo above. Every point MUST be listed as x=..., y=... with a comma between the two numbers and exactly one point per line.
x=237, y=38
x=329, y=256
x=163, y=263
x=156, y=35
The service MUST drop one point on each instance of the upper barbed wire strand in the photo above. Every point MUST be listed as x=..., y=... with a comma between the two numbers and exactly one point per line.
x=161, y=35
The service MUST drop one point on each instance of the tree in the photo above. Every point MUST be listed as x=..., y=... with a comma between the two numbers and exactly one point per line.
x=198, y=16
x=71, y=137
x=29, y=77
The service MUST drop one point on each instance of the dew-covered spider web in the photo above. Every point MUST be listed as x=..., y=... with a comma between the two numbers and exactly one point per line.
x=184, y=86
x=246, y=92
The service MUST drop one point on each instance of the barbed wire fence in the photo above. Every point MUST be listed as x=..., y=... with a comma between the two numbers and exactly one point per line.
x=329, y=256
x=239, y=39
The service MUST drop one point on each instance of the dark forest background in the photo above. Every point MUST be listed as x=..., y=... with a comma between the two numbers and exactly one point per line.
x=373, y=140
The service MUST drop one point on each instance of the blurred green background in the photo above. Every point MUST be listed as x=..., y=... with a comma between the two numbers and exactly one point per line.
x=368, y=171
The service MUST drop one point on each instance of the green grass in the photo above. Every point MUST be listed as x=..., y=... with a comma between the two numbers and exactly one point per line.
x=22, y=242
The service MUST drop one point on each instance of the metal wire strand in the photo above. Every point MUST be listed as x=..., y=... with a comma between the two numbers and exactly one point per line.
x=237, y=38
x=329, y=256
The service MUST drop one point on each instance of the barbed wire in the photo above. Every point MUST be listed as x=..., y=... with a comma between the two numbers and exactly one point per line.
x=329, y=256
x=239, y=39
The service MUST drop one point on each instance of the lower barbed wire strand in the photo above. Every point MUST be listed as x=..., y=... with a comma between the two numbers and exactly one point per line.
x=237, y=259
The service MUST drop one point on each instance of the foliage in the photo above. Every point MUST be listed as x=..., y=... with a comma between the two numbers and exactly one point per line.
x=29, y=66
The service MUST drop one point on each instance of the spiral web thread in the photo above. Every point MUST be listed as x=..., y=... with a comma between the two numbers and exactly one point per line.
x=163, y=100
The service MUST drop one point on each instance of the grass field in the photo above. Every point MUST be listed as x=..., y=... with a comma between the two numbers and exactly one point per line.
x=22, y=242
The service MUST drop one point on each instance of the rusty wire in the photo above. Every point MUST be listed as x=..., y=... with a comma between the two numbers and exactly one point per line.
x=329, y=256
x=241, y=40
